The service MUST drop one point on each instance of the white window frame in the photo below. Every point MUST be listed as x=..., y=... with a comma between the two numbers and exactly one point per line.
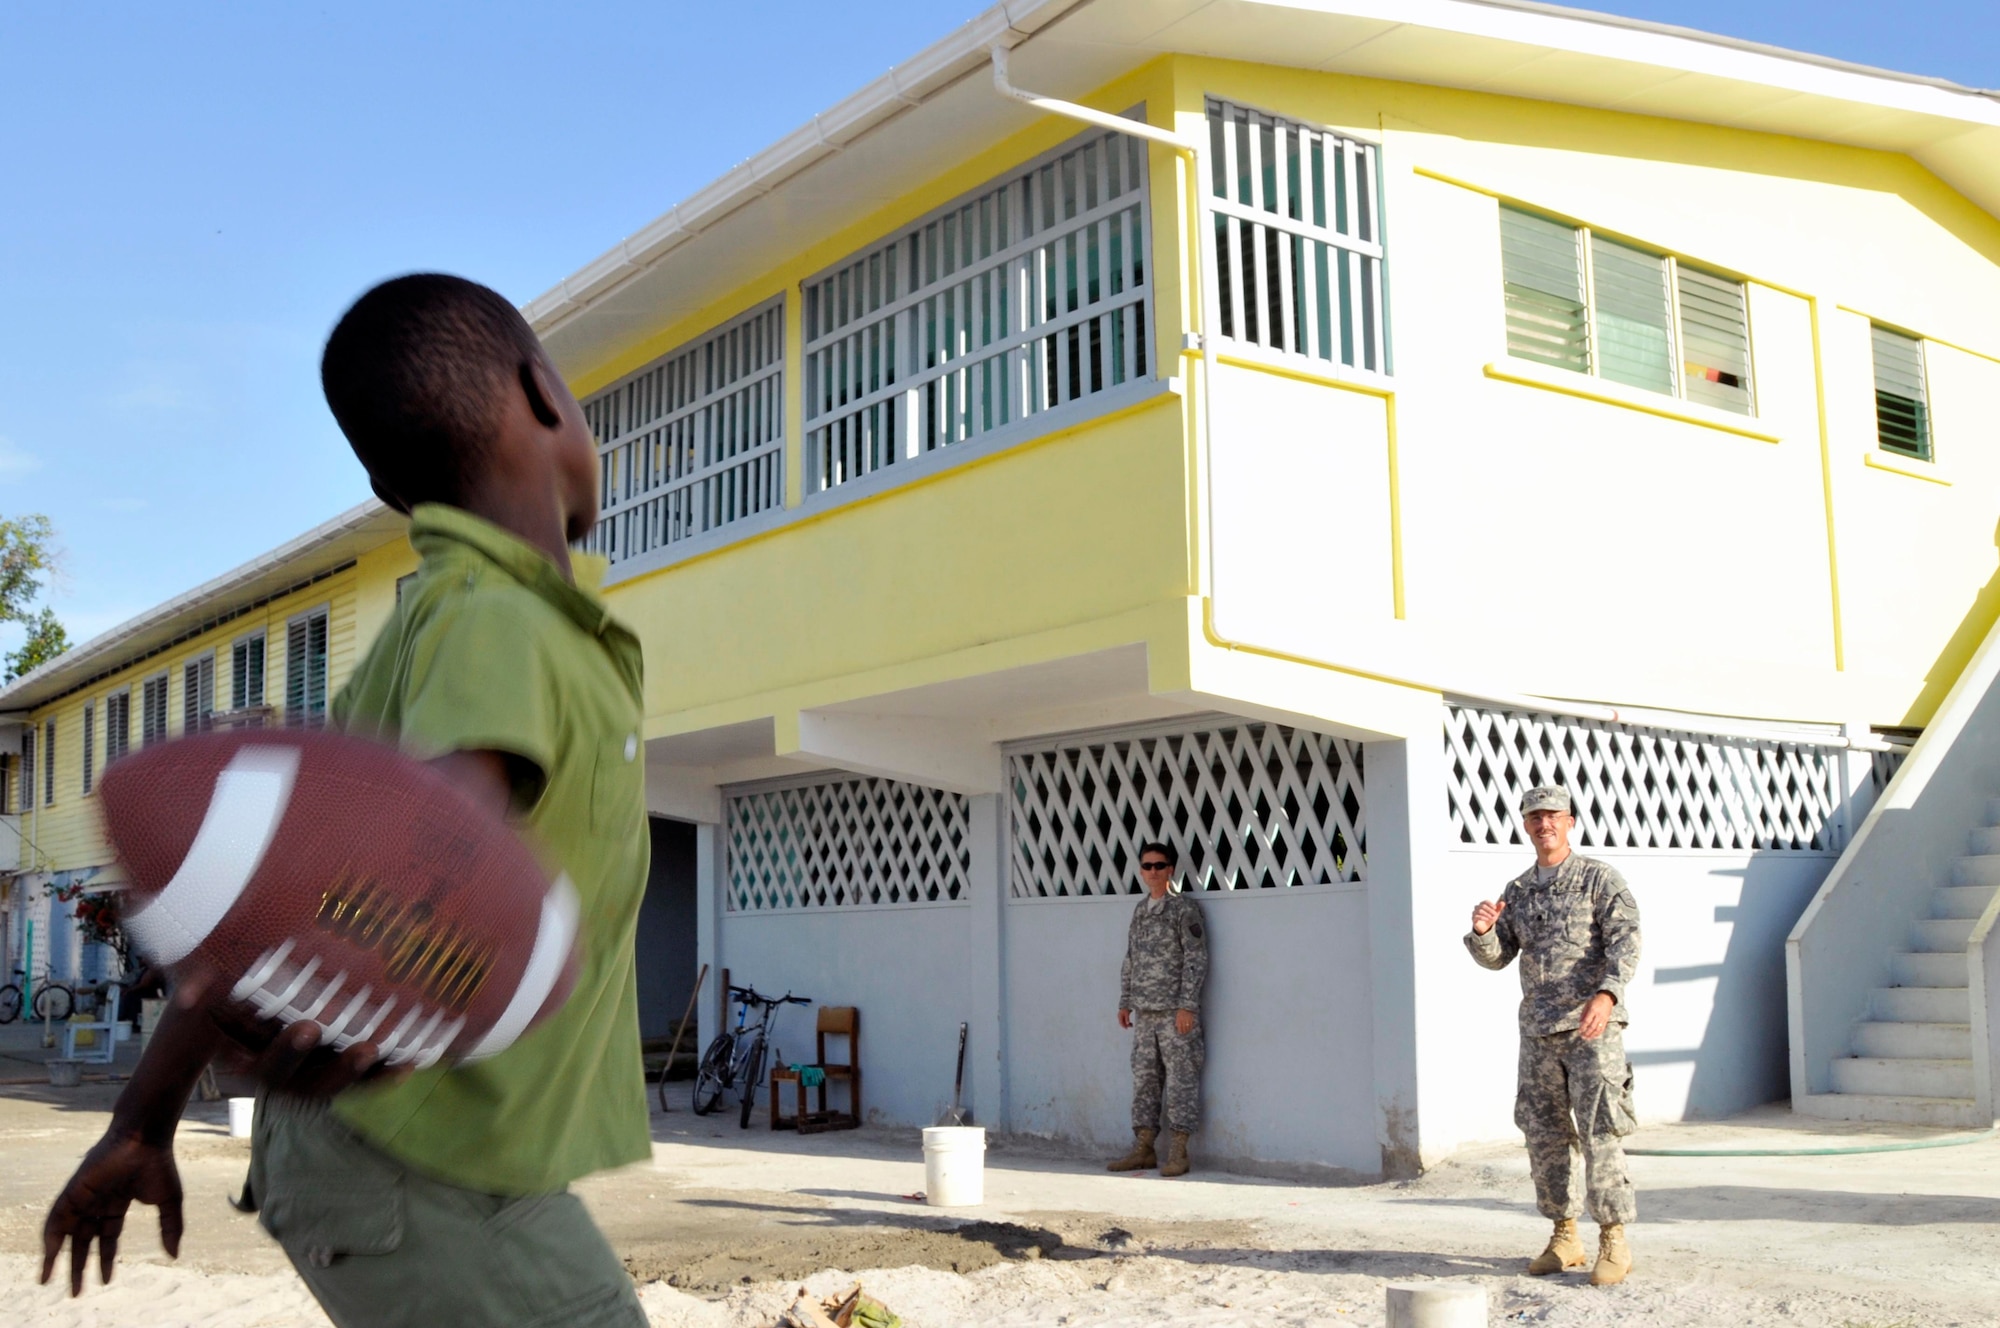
x=1677, y=351
x=165, y=678
x=262, y=636
x=89, y=741
x=190, y=669
x=325, y=611
x=126, y=745
x=864, y=422
x=49, y=761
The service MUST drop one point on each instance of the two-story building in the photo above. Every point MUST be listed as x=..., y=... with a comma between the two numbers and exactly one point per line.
x=1292, y=430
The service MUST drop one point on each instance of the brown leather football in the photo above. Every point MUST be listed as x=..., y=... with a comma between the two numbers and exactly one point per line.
x=337, y=880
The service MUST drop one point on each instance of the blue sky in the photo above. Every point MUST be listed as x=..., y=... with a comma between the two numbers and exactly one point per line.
x=193, y=192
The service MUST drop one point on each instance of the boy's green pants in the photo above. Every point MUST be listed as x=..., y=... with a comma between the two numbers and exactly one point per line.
x=381, y=1245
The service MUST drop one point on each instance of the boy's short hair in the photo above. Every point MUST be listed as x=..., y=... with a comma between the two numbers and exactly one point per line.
x=1164, y=850
x=416, y=372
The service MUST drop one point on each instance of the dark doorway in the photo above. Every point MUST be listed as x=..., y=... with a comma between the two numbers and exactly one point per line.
x=666, y=929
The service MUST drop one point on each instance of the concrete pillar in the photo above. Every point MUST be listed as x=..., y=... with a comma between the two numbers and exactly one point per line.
x=1857, y=785
x=1437, y=1305
x=985, y=1069
x=1408, y=833
x=709, y=905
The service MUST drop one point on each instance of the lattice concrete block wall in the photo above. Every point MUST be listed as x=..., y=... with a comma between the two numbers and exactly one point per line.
x=846, y=841
x=1639, y=787
x=1249, y=806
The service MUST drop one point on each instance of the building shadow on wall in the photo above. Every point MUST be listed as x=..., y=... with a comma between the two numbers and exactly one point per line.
x=1958, y=648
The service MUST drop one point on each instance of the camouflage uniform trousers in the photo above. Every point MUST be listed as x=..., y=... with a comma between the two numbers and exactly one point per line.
x=1576, y=1096
x=1165, y=1064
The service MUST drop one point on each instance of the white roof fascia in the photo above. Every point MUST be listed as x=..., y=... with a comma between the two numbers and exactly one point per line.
x=78, y=660
x=1551, y=28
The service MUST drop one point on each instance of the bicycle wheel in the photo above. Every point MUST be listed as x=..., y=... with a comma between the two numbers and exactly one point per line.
x=10, y=1003
x=753, y=1074
x=712, y=1076
x=54, y=1001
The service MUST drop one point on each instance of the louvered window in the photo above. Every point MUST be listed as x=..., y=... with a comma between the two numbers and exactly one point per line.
x=89, y=741
x=49, y=764
x=1593, y=305
x=305, y=669
x=1902, y=405
x=117, y=725
x=197, y=694
x=27, y=798
x=246, y=671
x=153, y=710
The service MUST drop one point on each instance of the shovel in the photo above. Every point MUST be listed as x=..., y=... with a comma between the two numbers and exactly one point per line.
x=958, y=1115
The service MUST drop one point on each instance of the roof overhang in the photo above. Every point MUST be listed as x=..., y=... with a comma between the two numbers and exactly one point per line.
x=914, y=122
x=322, y=549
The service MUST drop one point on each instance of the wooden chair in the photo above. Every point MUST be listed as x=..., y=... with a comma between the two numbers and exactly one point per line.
x=834, y=1021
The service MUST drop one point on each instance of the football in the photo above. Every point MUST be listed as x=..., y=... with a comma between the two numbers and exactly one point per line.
x=333, y=879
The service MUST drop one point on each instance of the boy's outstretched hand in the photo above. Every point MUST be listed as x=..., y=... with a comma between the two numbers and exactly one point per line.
x=117, y=1170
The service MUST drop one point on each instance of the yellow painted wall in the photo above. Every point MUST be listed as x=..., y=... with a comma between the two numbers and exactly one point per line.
x=357, y=600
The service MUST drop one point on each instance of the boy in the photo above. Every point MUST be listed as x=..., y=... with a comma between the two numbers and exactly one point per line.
x=439, y=1197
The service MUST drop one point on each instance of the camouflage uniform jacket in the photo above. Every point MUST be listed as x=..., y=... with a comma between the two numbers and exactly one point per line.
x=1166, y=956
x=1577, y=935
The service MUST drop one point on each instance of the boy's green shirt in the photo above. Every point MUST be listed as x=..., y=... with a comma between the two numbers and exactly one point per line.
x=490, y=649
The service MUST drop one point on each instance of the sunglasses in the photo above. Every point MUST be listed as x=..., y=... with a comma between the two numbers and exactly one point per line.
x=1156, y=866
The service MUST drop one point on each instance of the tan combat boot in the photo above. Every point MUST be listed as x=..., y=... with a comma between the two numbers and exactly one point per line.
x=1614, y=1256
x=1141, y=1158
x=1177, y=1159
x=1565, y=1251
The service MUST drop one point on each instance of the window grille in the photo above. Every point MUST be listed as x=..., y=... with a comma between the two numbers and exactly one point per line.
x=27, y=797
x=1298, y=237
x=49, y=763
x=305, y=669
x=1248, y=806
x=246, y=669
x=153, y=710
x=1644, y=788
x=197, y=693
x=117, y=725
x=1902, y=406
x=1593, y=305
x=1028, y=296
x=693, y=441
x=5, y=786
x=847, y=841
x=89, y=741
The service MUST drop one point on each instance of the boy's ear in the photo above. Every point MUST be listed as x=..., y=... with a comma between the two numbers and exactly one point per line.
x=541, y=400
x=391, y=499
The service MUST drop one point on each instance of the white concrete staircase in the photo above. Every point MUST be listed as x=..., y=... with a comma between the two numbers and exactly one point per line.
x=1912, y=1056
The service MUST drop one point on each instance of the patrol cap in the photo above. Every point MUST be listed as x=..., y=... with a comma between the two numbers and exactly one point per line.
x=1546, y=798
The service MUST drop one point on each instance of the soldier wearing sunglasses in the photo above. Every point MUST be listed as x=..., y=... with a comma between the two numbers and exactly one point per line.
x=1166, y=961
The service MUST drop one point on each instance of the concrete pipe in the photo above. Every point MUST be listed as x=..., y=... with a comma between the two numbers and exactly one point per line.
x=1437, y=1305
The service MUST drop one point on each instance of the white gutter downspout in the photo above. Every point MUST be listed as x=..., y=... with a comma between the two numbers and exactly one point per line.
x=1202, y=309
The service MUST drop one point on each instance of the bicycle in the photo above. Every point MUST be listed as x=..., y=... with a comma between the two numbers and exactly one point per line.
x=53, y=1001
x=735, y=1059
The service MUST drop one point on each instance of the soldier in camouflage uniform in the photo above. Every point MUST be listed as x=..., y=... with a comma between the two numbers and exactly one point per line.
x=1574, y=925
x=1166, y=961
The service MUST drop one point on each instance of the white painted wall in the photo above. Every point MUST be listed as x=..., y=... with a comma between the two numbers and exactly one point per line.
x=907, y=969
x=1289, y=1083
x=1707, y=1036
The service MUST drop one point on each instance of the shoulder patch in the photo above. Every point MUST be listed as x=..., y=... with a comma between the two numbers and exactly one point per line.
x=1194, y=929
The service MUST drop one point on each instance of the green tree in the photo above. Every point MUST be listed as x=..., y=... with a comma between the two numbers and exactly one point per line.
x=27, y=555
x=46, y=640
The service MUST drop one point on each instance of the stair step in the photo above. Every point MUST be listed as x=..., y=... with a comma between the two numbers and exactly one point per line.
x=1962, y=901
x=1903, y=1077
x=1905, y=1039
x=1986, y=839
x=1944, y=969
x=1939, y=1005
x=1937, y=1111
x=1938, y=935
x=1976, y=869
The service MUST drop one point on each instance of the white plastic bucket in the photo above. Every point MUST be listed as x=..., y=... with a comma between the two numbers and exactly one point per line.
x=954, y=1166
x=240, y=1109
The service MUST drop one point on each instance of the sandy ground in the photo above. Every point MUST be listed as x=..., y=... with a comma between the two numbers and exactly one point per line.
x=724, y=1226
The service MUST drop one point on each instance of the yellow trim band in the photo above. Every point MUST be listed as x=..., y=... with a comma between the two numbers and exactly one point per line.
x=1915, y=469
x=1668, y=409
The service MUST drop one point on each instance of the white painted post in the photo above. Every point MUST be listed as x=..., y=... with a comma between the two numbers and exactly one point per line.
x=1437, y=1305
x=985, y=1068
x=709, y=884
x=1857, y=784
